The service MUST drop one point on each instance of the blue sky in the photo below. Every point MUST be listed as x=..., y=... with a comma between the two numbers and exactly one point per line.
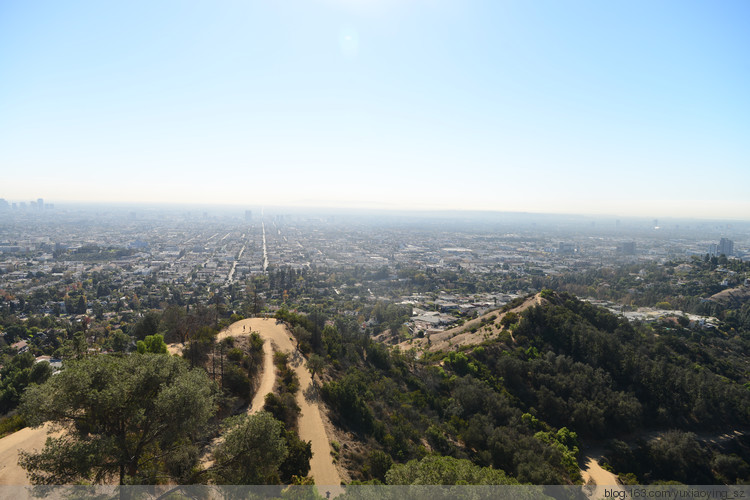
x=627, y=108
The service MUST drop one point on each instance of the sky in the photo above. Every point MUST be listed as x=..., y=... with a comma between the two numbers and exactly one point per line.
x=619, y=107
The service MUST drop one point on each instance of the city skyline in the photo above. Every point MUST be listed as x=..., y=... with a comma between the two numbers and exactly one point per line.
x=630, y=110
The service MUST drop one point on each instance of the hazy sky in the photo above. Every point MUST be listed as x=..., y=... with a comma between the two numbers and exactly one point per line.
x=621, y=107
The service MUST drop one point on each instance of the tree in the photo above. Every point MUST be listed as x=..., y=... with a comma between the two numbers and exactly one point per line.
x=120, y=341
x=678, y=455
x=79, y=344
x=16, y=375
x=508, y=319
x=81, y=304
x=147, y=325
x=434, y=469
x=201, y=344
x=174, y=320
x=302, y=336
x=380, y=463
x=153, y=344
x=297, y=461
x=137, y=418
x=252, y=452
x=283, y=408
x=315, y=364
x=333, y=341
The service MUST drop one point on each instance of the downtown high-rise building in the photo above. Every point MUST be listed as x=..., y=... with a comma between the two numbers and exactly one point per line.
x=724, y=247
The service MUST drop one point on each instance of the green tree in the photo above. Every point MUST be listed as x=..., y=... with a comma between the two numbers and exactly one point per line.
x=508, y=319
x=80, y=346
x=434, y=469
x=174, y=321
x=16, y=375
x=147, y=325
x=252, y=452
x=297, y=461
x=380, y=463
x=137, y=418
x=152, y=344
x=303, y=338
x=315, y=364
x=81, y=305
x=333, y=341
x=678, y=455
x=200, y=345
x=120, y=341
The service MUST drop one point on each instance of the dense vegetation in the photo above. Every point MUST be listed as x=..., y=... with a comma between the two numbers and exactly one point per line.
x=147, y=418
x=574, y=374
x=592, y=367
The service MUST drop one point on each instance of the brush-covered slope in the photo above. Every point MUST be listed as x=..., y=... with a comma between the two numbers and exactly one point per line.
x=572, y=375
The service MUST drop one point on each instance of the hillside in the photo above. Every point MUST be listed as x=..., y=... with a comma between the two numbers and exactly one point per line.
x=488, y=326
x=732, y=297
x=574, y=376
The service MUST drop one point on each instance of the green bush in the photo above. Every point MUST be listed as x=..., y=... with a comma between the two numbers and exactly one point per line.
x=11, y=424
x=235, y=355
x=237, y=382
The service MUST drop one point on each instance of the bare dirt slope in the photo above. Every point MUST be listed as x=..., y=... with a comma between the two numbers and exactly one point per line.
x=732, y=296
x=26, y=439
x=454, y=338
x=311, y=427
x=593, y=473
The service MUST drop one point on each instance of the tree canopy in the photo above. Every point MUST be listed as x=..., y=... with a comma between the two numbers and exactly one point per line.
x=252, y=452
x=138, y=418
x=16, y=375
x=153, y=344
x=434, y=469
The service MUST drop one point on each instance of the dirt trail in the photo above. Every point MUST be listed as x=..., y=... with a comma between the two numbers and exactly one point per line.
x=268, y=373
x=311, y=428
x=26, y=439
x=592, y=472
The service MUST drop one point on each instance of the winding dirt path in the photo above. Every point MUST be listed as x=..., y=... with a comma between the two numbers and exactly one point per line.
x=311, y=427
x=310, y=423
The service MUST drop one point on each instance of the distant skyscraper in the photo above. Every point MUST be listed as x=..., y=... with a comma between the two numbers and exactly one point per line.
x=248, y=215
x=40, y=203
x=726, y=247
x=4, y=204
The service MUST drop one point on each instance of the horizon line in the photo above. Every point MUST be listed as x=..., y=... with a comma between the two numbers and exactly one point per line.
x=389, y=210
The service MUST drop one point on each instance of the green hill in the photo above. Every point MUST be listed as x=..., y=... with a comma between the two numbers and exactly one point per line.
x=573, y=376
